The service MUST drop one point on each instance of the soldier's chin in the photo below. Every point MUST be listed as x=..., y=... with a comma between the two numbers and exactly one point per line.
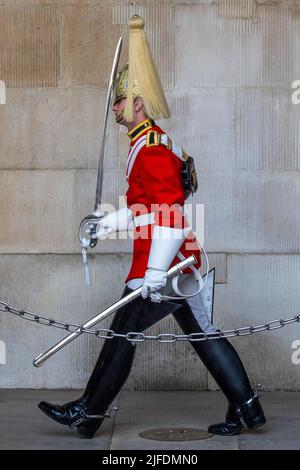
x=120, y=118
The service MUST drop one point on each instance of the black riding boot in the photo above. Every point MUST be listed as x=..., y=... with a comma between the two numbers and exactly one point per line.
x=224, y=364
x=112, y=368
x=248, y=414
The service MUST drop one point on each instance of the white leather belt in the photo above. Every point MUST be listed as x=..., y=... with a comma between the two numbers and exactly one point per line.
x=144, y=219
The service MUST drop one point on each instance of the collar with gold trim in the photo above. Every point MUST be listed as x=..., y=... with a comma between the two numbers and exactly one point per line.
x=140, y=128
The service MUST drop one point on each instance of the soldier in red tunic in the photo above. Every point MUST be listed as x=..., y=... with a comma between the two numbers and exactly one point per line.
x=162, y=237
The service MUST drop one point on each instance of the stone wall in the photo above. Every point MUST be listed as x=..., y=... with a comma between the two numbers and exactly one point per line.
x=227, y=67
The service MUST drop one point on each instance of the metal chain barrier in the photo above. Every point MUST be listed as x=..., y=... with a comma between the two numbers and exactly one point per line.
x=140, y=337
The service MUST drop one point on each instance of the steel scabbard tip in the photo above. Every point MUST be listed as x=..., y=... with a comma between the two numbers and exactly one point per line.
x=36, y=361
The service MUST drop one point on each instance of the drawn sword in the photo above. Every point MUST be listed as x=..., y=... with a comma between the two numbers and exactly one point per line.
x=88, y=225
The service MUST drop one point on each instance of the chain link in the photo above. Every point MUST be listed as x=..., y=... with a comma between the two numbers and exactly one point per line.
x=137, y=337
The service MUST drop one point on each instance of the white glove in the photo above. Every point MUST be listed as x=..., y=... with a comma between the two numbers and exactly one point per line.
x=165, y=244
x=113, y=222
x=154, y=280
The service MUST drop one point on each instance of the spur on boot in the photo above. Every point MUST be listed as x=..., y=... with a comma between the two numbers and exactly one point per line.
x=248, y=414
x=75, y=415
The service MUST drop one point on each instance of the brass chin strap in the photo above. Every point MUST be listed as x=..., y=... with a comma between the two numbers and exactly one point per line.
x=120, y=118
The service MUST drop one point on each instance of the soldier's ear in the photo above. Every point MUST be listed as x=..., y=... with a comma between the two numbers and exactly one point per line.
x=138, y=104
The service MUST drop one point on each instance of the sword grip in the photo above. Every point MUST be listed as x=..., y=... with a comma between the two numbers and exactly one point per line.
x=93, y=241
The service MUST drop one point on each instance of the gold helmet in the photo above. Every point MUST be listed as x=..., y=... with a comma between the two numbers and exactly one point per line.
x=140, y=78
x=121, y=86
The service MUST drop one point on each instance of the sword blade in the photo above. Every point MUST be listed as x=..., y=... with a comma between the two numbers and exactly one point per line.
x=105, y=122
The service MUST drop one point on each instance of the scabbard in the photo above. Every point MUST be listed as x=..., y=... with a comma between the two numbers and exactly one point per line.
x=175, y=270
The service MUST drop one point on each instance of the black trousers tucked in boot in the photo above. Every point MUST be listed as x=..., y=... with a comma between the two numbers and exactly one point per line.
x=226, y=367
x=112, y=368
x=116, y=358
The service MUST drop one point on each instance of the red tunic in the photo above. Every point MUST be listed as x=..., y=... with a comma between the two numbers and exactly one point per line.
x=154, y=185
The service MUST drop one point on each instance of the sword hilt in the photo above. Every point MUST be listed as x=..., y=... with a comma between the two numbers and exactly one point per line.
x=88, y=228
x=93, y=231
